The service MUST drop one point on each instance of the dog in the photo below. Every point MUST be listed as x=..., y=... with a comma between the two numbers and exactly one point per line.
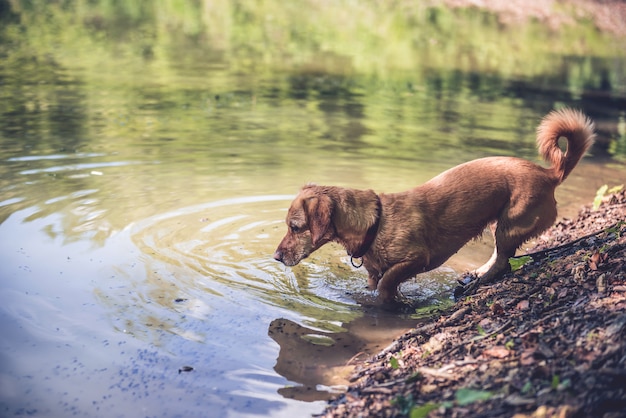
x=399, y=235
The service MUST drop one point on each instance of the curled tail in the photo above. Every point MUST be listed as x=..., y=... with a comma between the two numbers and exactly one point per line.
x=571, y=124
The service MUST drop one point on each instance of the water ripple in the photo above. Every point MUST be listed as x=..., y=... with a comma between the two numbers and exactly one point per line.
x=226, y=247
x=78, y=167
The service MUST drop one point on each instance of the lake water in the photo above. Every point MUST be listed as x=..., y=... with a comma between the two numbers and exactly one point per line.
x=144, y=186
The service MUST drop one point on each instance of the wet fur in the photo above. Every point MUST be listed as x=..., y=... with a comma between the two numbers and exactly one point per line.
x=421, y=228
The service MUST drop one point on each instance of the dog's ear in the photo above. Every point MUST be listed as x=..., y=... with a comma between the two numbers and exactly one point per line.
x=319, y=211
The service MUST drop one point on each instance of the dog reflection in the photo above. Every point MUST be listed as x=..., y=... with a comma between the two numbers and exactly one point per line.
x=313, y=357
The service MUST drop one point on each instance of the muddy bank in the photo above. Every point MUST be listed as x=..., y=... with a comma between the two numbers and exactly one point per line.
x=547, y=340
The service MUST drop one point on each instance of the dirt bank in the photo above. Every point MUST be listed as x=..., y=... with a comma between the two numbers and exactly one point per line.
x=547, y=340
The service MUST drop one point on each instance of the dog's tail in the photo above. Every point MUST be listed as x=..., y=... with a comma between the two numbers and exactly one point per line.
x=577, y=128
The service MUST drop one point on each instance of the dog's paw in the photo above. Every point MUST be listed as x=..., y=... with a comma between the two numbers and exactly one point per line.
x=459, y=292
x=467, y=278
x=467, y=286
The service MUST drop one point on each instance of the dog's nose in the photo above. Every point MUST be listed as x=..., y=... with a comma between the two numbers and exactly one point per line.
x=278, y=256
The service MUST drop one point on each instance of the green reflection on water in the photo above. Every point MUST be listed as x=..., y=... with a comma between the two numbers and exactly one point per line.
x=222, y=98
x=246, y=98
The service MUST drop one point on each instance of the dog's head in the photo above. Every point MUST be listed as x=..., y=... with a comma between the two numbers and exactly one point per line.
x=309, y=226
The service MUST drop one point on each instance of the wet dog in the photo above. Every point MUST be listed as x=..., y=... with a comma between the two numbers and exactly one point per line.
x=399, y=235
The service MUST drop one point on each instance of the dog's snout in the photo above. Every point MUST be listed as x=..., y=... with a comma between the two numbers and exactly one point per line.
x=278, y=256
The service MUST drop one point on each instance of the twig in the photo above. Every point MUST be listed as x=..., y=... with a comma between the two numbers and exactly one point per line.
x=477, y=338
x=354, y=357
x=542, y=253
x=393, y=347
x=494, y=332
x=435, y=372
x=457, y=364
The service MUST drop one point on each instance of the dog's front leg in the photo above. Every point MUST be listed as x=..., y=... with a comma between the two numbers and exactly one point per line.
x=372, y=280
x=388, y=284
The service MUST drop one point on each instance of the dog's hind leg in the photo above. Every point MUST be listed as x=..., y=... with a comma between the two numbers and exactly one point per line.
x=497, y=265
x=511, y=232
x=485, y=267
x=482, y=270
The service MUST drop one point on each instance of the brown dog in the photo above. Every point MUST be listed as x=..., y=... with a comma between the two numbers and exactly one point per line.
x=399, y=235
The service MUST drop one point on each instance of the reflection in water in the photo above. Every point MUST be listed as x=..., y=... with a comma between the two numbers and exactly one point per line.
x=319, y=360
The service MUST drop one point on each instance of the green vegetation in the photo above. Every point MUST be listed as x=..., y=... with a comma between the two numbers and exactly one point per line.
x=436, y=307
x=616, y=229
x=617, y=145
x=371, y=36
x=466, y=396
x=393, y=362
x=404, y=403
x=422, y=411
x=462, y=397
x=605, y=191
x=455, y=76
x=517, y=263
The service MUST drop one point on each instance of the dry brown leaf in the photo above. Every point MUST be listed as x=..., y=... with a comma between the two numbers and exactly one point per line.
x=527, y=357
x=497, y=352
x=594, y=260
x=497, y=309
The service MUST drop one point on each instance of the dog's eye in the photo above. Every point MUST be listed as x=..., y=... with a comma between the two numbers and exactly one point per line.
x=295, y=229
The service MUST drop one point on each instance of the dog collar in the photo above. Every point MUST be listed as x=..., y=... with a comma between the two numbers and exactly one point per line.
x=370, y=235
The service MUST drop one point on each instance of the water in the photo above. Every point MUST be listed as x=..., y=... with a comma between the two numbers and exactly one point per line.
x=144, y=184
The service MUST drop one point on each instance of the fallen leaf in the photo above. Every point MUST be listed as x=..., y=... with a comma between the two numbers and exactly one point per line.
x=497, y=352
x=545, y=351
x=579, y=273
x=523, y=305
x=527, y=357
x=517, y=263
x=393, y=362
x=497, y=309
x=594, y=260
x=601, y=283
x=517, y=400
x=466, y=396
x=422, y=411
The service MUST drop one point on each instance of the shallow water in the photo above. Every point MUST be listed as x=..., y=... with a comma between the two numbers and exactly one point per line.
x=142, y=197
